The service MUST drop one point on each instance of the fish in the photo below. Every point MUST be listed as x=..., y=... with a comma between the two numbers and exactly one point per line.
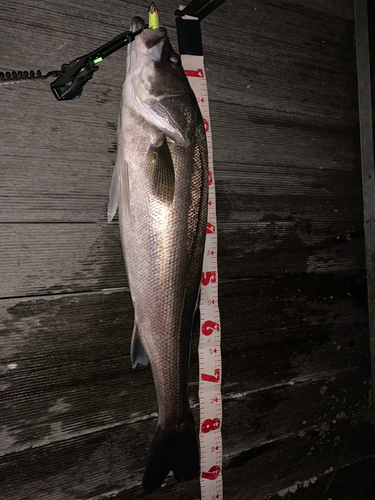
x=160, y=187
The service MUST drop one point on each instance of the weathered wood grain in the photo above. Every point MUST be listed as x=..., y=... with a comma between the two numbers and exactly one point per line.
x=32, y=329
x=39, y=259
x=29, y=186
x=90, y=395
x=76, y=421
x=245, y=191
x=260, y=136
x=272, y=77
x=65, y=360
x=270, y=20
x=341, y=8
x=110, y=461
x=352, y=481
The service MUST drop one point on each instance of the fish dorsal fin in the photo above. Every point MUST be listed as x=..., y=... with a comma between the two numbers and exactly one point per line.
x=119, y=187
x=160, y=170
x=137, y=351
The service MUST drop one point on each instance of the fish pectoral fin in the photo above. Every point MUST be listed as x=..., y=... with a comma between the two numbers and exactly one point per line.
x=120, y=182
x=137, y=351
x=160, y=170
x=113, y=194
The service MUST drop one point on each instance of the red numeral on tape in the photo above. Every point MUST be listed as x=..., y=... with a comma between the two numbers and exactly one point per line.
x=209, y=179
x=206, y=125
x=212, y=474
x=208, y=277
x=210, y=228
x=210, y=424
x=211, y=378
x=208, y=327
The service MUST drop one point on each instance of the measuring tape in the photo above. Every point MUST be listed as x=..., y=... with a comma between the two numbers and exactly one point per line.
x=209, y=340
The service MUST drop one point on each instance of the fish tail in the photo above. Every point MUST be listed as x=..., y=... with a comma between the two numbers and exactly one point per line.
x=173, y=449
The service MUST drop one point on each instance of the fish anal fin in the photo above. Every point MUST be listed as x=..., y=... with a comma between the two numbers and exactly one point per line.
x=137, y=351
x=160, y=170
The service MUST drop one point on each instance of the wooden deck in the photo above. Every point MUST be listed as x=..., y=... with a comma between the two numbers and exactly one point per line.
x=76, y=420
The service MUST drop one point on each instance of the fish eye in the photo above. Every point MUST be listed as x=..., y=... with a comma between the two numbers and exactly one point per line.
x=174, y=59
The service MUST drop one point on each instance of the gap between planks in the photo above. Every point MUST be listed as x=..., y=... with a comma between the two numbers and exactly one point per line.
x=107, y=291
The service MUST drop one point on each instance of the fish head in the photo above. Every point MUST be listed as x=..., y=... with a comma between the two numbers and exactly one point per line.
x=155, y=79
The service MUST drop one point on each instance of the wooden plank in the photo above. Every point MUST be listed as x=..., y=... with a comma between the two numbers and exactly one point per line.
x=260, y=136
x=271, y=136
x=266, y=192
x=271, y=77
x=267, y=20
x=277, y=63
x=113, y=458
x=60, y=364
x=291, y=28
x=76, y=420
x=268, y=138
x=352, y=481
x=302, y=195
x=60, y=258
x=277, y=247
x=272, y=80
x=90, y=395
x=32, y=328
x=341, y=8
x=39, y=259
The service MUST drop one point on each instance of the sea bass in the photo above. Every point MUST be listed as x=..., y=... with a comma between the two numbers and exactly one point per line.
x=160, y=186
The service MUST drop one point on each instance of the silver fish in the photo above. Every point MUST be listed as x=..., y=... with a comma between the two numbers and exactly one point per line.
x=160, y=185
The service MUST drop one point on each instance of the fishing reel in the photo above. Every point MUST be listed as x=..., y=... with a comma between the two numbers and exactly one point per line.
x=72, y=77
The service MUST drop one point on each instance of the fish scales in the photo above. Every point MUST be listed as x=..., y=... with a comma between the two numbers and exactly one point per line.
x=160, y=184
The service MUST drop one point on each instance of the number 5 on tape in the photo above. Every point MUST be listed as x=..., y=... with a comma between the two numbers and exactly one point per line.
x=208, y=277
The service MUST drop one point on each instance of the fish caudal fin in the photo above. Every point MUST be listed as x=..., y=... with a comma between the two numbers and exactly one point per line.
x=173, y=449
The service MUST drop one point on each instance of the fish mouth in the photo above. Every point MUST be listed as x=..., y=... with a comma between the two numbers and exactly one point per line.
x=150, y=37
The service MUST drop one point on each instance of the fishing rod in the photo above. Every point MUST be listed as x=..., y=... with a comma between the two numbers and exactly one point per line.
x=72, y=77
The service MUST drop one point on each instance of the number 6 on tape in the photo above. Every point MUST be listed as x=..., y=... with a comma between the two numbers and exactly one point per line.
x=212, y=474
